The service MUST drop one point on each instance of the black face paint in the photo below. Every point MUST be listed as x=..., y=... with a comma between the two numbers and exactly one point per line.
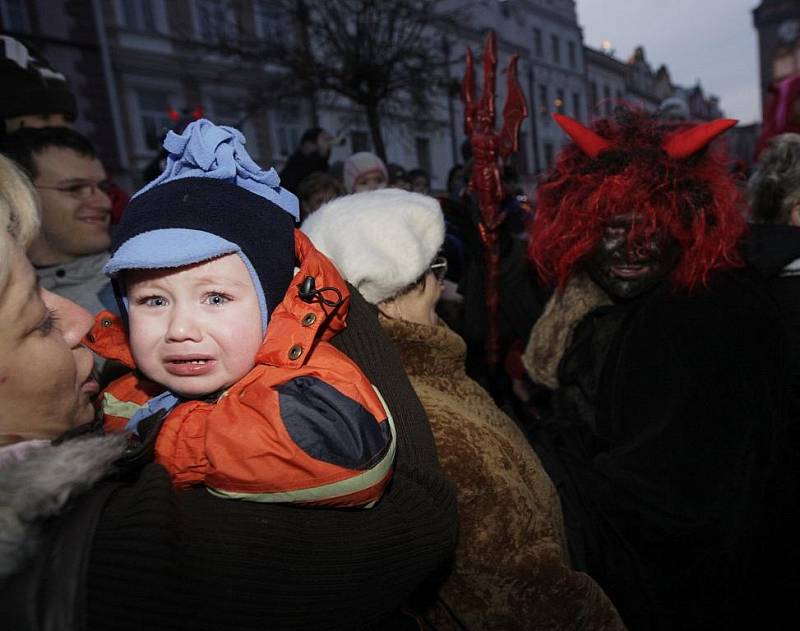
x=626, y=270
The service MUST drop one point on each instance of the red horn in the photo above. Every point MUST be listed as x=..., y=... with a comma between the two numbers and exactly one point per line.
x=589, y=142
x=688, y=142
x=173, y=115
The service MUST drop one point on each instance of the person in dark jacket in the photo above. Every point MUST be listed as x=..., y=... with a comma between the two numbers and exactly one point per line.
x=668, y=363
x=773, y=248
x=93, y=536
x=310, y=157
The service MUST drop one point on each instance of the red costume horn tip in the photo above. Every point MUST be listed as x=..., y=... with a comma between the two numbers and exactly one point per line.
x=688, y=142
x=588, y=141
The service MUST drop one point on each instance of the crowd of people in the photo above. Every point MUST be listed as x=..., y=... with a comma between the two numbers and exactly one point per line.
x=243, y=399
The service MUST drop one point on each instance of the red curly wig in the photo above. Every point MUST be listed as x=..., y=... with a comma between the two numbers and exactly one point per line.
x=692, y=199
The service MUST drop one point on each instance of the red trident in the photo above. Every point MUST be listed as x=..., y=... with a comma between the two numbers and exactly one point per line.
x=488, y=148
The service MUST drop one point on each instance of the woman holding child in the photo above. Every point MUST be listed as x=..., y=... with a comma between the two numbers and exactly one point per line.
x=94, y=536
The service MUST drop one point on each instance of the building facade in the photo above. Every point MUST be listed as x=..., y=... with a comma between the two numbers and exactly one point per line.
x=612, y=81
x=133, y=62
x=551, y=70
x=65, y=33
x=607, y=78
x=778, y=26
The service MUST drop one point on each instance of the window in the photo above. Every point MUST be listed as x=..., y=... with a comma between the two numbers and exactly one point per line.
x=571, y=54
x=14, y=16
x=593, y=90
x=548, y=154
x=139, y=15
x=537, y=42
x=559, y=102
x=269, y=22
x=153, y=106
x=216, y=22
x=607, y=99
x=544, y=104
x=359, y=141
x=423, y=153
x=556, y=46
x=288, y=128
x=576, y=105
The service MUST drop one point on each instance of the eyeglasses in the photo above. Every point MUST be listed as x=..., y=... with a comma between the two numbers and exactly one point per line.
x=80, y=190
x=439, y=268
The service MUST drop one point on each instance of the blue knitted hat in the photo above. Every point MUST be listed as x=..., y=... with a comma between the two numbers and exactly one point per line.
x=212, y=199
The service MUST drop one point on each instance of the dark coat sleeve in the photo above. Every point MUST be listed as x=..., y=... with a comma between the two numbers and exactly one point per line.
x=246, y=565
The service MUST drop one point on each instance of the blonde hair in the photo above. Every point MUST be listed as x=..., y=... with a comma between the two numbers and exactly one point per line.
x=19, y=216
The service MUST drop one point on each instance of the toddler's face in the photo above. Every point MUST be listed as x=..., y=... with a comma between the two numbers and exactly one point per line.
x=370, y=181
x=194, y=329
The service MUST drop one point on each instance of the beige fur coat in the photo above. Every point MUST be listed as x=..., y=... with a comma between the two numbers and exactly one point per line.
x=510, y=570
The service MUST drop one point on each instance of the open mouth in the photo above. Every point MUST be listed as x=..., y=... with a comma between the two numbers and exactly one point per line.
x=189, y=366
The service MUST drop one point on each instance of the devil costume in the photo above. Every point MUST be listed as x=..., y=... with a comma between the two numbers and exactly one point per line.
x=669, y=403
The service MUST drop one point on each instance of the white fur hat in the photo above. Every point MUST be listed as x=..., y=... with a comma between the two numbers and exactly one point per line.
x=381, y=241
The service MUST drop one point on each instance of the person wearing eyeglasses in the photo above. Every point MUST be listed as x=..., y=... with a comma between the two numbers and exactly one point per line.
x=72, y=246
x=509, y=570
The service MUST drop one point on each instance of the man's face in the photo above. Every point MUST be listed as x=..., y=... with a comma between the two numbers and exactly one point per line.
x=626, y=270
x=194, y=329
x=324, y=144
x=76, y=213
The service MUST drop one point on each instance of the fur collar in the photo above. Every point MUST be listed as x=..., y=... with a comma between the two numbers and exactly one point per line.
x=552, y=333
x=427, y=350
x=41, y=484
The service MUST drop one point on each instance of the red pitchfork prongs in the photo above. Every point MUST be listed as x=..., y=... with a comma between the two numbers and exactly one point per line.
x=489, y=147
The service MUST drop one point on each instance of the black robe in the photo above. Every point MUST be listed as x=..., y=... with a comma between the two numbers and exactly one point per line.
x=663, y=447
x=769, y=249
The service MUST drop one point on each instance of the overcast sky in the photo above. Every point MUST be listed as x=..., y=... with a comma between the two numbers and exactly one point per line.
x=710, y=40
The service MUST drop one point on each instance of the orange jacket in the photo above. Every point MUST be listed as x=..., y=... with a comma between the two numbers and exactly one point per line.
x=304, y=425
